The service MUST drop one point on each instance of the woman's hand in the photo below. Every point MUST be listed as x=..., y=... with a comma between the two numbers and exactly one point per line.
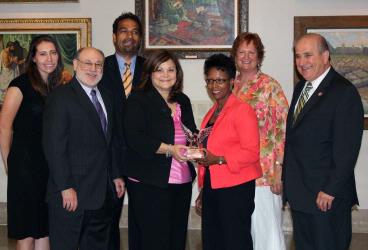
x=177, y=151
x=209, y=159
x=276, y=188
x=198, y=204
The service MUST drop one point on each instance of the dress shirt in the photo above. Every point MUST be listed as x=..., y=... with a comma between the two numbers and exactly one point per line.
x=98, y=95
x=315, y=85
x=121, y=62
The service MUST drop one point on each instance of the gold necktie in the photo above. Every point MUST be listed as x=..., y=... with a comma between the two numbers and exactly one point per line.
x=127, y=80
x=302, y=100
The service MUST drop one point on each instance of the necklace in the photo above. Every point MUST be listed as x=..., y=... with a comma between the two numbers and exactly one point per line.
x=217, y=111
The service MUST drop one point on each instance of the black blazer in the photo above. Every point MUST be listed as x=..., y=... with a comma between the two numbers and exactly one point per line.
x=112, y=78
x=78, y=153
x=323, y=144
x=148, y=122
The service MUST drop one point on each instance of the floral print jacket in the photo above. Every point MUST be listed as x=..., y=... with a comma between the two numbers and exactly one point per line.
x=268, y=100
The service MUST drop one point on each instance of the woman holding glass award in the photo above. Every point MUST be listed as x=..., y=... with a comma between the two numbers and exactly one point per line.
x=159, y=176
x=227, y=173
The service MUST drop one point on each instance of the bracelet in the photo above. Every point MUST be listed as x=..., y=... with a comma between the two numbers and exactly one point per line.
x=168, y=151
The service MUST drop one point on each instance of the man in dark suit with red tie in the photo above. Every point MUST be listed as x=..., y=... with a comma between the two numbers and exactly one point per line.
x=122, y=73
x=323, y=137
x=82, y=155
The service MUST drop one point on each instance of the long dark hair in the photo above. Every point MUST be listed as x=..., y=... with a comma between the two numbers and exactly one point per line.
x=153, y=61
x=34, y=75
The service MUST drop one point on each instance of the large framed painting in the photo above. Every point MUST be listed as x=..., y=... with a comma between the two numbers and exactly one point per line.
x=192, y=28
x=347, y=37
x=16, y=34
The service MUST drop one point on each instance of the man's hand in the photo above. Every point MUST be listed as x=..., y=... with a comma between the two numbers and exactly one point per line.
x=324, y=201
x=70, y=201
x=276, y=188
x=120, y=187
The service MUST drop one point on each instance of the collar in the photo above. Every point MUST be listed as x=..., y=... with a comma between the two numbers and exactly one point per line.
x=121, y=63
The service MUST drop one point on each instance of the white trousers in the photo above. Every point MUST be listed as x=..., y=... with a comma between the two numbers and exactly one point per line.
x=266, y=229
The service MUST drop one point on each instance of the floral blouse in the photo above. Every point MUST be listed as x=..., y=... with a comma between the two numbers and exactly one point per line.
x=266, y=97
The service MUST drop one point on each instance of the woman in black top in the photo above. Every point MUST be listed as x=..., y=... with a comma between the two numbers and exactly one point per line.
x=159, y=177
x=20, y=143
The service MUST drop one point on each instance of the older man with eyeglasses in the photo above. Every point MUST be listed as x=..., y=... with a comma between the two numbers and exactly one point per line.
x=81, y=149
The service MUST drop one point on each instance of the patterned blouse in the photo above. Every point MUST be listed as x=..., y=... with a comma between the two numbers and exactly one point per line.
x=266, y=97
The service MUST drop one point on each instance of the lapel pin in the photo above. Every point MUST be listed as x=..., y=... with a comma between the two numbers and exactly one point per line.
x=320, y=93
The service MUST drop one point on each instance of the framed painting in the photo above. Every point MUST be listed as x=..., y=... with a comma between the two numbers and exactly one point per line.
x=347, y=37
x=191, y=28
x=16, y=34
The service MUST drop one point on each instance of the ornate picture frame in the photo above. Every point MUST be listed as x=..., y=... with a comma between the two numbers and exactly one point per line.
x=16, y=34
x=348, y=40
x=191, y=29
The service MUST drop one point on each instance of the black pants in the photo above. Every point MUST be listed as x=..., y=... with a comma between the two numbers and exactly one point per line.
x=82, y=229
x=158, y=217
x=114, y=242
x=329, y=230
x=226, y=216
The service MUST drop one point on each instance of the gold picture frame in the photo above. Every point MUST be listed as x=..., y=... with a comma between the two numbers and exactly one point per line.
x=70, y=33
x=347, y=37
x=191, y=29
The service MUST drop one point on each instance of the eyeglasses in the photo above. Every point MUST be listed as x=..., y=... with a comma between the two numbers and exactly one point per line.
x=217, y=81
x=89, y=65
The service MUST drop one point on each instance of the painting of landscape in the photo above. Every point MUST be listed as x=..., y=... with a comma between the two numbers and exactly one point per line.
x=349, y=56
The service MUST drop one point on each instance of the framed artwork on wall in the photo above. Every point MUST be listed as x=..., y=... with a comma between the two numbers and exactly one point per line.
x=192, y=28
x=347, y=37
x=16, y=34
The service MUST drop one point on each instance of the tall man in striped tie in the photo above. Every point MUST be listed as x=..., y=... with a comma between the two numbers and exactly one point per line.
x=122, y=73
x=323, y=136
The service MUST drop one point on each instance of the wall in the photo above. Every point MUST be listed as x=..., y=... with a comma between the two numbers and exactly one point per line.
x=273, y=20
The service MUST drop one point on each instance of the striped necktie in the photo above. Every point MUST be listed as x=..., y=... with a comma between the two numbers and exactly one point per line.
x=127, y=80
x=302, y=100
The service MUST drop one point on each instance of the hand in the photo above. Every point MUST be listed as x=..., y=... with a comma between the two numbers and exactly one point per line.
x=324, y=201
x=198, y=204
x=276, y=188
x=209, y=159
x=70, y=201
x=119, y=186
x=176, y=151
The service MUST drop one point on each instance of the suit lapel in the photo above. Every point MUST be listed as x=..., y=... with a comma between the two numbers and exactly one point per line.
x=87, y=104
x=109, y=112
x=114, y=73
x=318, y=95
x=138, y=71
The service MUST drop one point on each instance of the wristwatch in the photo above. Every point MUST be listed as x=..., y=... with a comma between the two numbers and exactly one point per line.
x=221, y=160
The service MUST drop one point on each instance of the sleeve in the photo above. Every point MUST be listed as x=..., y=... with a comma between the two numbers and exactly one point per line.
x=347, y=137
x=246, y=127
x=55, y=141
x=278, y=110
x=136, y=124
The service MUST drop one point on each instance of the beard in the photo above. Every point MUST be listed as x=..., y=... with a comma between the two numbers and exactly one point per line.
x=127, y=47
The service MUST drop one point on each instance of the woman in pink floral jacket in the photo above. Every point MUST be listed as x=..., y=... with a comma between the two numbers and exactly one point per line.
x=266, y=97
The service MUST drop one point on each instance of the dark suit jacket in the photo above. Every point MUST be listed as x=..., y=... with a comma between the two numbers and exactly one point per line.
x=112, y=77
x=323, y=144
x=78, y=153
x=112, y=80
x=147, y=123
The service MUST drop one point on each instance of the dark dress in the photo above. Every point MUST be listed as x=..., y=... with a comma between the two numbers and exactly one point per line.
x=27, y=169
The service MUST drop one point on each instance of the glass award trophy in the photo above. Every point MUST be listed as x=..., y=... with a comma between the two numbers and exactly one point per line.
x=194, y=151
